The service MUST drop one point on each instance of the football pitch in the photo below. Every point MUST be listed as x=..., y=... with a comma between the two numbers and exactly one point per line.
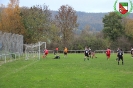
x=69, y=72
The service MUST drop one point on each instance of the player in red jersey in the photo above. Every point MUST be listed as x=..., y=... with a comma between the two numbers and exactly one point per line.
x=45, y=53
x=108, y=52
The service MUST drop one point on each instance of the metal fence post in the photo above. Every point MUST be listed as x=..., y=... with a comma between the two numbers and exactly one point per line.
x=5, y=58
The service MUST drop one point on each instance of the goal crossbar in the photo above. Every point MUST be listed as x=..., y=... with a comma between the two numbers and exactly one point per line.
x=31, y=46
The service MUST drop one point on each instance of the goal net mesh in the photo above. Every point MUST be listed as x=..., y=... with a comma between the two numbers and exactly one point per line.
x=34, y=51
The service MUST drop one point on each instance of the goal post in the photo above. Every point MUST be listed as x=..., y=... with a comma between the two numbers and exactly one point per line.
x=34, y=50
x=40, y=48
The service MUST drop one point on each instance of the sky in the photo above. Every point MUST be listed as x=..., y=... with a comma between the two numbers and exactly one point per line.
x=78, y=5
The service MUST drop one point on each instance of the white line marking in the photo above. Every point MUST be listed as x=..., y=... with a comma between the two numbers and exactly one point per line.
x=15, y=71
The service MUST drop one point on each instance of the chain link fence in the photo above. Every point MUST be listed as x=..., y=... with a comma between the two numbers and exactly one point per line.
x=10, y=45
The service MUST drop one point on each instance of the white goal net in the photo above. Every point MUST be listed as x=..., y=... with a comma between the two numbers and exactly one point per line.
x=34, y=50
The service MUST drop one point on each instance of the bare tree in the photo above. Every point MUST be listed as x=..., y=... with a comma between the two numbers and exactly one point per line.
x=66, y=20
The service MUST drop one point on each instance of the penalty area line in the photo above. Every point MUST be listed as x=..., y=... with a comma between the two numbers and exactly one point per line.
x=17, y=70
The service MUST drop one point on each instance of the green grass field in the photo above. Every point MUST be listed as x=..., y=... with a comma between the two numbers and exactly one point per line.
x=69, y=72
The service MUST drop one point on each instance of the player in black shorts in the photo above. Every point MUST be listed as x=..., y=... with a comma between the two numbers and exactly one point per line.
x=117, y=53
x=57, y=57
x=86, y=54
x=120, y=56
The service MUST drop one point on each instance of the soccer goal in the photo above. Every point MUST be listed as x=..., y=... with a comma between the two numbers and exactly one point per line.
x=34, y=50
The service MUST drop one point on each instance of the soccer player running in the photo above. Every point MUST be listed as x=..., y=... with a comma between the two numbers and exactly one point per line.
x=56, y=51
x=45, y=53
x=120, y=56
x=86, y=53
x=108, y=52
x=65, y=52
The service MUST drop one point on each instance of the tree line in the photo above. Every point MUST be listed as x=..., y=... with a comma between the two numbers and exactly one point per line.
x=37, y=24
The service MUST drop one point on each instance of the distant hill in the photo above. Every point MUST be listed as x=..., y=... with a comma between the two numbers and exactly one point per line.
x=94, y=20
